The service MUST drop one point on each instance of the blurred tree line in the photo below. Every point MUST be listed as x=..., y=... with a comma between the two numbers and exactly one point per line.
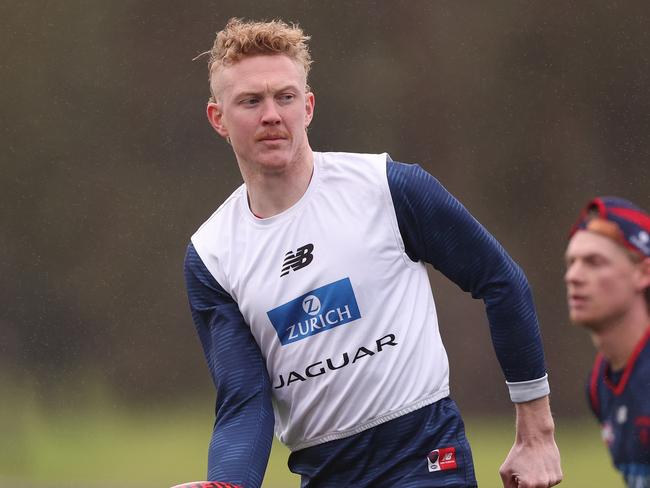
x=523, y=110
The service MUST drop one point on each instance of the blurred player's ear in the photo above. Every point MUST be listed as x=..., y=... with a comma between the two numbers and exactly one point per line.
x=215, y=117
x=644, y=271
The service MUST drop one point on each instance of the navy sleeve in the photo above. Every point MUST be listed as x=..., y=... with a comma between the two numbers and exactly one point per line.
x=437, y=229
x=243, y=429
x=595, y=375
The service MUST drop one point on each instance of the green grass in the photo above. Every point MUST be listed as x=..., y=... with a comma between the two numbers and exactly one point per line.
x=585, y=461
x=104, y=445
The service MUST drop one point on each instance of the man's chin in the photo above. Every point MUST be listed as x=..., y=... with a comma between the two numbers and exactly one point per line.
x=585, y=322
x=273, y=161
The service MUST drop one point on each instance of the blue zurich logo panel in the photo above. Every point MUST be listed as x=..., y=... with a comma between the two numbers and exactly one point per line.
x=314, y=312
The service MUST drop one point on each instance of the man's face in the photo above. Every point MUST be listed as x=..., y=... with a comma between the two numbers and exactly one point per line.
x=602, y=280
x=262, y=107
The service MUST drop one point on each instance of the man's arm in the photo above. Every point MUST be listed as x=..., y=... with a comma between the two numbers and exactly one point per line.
x=437, y=229
x=243, y=429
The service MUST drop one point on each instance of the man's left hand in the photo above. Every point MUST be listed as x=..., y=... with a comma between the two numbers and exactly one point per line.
x=534, y=460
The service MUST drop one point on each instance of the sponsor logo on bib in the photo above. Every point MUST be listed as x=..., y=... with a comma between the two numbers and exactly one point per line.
x=314, y=312
x=298, y=260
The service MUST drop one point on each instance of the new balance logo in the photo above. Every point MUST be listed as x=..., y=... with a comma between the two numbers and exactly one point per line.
x=442, y=459
x=300, y=259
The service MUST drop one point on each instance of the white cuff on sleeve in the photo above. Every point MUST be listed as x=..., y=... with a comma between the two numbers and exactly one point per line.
x=525, y=391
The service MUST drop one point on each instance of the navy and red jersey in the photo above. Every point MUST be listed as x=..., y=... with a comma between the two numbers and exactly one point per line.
x=621, y=402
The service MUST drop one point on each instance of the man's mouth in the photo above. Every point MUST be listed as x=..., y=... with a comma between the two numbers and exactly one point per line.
x=272, y=137
x=576, y=300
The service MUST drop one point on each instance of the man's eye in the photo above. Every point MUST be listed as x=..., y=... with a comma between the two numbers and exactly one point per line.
x=596, y=261
x=286, y=97
x=250, y=101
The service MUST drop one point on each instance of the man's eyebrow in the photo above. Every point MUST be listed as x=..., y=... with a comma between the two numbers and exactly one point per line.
x=290, y=86
x=585, y=256
x=256, y=93
x=247, y=93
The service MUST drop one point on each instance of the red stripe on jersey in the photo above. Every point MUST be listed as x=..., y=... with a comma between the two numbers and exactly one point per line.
x=618, y=389
x=593, y=384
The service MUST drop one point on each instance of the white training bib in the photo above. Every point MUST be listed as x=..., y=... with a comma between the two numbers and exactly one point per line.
x=345, y=320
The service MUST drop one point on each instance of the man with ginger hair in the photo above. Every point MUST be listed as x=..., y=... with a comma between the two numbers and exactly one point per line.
x=608, y=290
x=309, y=292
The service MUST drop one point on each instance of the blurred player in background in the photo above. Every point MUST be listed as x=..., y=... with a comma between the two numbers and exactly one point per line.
x=608, y=290
x=309, y=292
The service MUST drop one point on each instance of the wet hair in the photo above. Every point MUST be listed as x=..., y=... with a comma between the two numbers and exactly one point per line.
x=239, y=39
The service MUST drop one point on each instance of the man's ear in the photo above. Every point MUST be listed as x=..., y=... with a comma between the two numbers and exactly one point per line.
x=215, y=117
x=309, y=107
x=644, y=273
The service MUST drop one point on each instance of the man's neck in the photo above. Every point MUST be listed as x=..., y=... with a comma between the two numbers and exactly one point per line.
x=618, y=339
x=272, y=193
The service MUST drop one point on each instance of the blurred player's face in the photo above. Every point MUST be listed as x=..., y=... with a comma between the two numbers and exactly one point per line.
x=603, y=283
x=262, y=107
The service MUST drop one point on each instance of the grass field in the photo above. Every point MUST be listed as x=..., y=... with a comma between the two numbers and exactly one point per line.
x=107, y=446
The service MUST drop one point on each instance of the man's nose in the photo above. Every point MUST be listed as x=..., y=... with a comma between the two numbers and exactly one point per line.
x=270, y=114
x=573, y=273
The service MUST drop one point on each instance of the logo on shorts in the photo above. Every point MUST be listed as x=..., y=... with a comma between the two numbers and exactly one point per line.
x=302, y=257
x=314, y=312
x=442, y=459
